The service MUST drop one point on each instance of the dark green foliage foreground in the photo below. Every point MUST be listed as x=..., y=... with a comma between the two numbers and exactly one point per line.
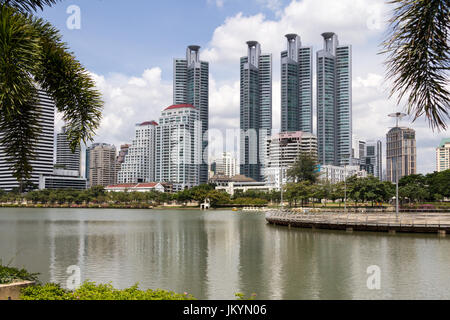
x=10, y=275
x=92, y=291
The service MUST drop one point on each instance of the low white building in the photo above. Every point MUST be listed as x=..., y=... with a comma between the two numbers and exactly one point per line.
x=240, y=182
x=139, y=187
x=335, y=174
x=62, y=179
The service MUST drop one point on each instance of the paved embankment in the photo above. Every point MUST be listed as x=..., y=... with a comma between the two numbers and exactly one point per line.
x=381, y=222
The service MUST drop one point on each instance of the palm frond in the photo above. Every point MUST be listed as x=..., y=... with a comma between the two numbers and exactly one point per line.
x=418, y=48
x=69, y=84
x=28, y=5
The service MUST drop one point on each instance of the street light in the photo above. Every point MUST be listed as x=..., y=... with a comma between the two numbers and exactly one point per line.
x=281, y=144
x=398, y=116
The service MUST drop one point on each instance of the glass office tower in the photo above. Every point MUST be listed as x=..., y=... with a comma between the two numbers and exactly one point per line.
x=334, y=102
x=255, y=110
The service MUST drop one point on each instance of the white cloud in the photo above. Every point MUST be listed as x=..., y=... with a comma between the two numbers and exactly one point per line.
x=355, y=21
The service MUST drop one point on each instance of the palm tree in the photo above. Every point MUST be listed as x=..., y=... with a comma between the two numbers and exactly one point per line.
x=418, y=48
x=32, y=58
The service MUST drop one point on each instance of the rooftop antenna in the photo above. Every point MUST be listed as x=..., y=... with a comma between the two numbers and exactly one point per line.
x=398, y=116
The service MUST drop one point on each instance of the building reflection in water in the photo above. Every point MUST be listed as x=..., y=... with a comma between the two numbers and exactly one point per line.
x=215, y=254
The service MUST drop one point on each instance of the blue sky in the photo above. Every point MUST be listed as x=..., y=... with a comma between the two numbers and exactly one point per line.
x=129, y=47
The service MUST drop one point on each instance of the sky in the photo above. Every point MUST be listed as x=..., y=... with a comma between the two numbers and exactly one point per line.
x=129, y=47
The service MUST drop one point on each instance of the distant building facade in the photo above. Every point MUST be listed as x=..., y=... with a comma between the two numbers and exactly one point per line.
x=102, y=165
x=373, y=161
x=179, y=147
x=227, y=165
x=283, y=150
x=443, y=155
x=139, y=163
x=65, y=158
x=43, y=148
x=255, y=110
x=401, y=153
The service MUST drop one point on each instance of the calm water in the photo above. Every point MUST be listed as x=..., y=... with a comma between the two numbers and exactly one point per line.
x=218, y=253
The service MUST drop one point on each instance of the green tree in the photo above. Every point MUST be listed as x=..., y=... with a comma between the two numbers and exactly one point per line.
x=33, y=55
x=418, y=62
x=304, y=169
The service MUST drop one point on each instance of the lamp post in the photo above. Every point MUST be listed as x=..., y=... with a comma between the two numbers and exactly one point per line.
x=281, y=144
x=398, y=116
x=345, y=189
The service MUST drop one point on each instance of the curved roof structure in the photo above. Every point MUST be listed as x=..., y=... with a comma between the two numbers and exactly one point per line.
x=180, y=106
x=148, y=123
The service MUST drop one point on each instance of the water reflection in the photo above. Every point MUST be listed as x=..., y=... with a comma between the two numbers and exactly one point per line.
x=216, y=254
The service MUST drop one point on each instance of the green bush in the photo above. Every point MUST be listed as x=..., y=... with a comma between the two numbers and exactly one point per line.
x=92, y=291
x=10, y=275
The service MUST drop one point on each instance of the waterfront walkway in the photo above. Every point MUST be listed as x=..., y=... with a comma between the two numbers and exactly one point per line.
x=382, y=222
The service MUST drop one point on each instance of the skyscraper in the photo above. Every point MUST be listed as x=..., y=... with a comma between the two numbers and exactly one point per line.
x=255, y=110
x=334, y=101
x=65, y=158
x=191, y=86
x=373, y=163
x=139, y=163
x=401, y=153
x=178, y=146
x=102, y=165
x=296, y=86
x=43, y=148
x=443, y=155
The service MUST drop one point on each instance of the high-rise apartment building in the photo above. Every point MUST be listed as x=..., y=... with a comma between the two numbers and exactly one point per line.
x=178, y=146
x=43, y=148
x=139, y=164
x=102, y=165
x=255, y=110
x=443, y=155
x=283, y=150
x=296, y=86
x=373, y=161
x=401, y=153
x=334, y=102
x=227, y=165
x=65, y=158
x=191, y=86
x=358, y=151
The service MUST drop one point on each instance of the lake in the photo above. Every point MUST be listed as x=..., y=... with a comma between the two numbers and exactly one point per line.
x=215, y=254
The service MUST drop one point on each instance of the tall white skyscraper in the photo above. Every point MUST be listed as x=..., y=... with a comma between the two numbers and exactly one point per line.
x=139, y=163
x=334, y=101
x=65, y=158
x=178, y=146
x=296, y=86
x=255, y=110
x=43, y=148
x=191, y=86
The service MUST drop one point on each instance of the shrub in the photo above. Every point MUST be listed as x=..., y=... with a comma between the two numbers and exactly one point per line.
x=10, y=275
x=92, y=291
